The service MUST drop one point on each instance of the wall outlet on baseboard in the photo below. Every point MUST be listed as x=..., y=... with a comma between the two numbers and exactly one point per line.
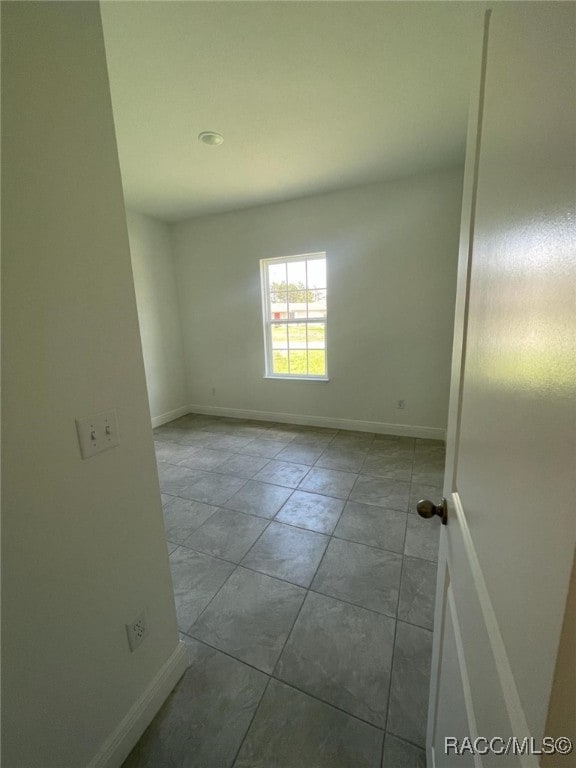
x=137, y=631
x=401, y=404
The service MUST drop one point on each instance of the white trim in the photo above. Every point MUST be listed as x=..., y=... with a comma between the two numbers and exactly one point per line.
x=466, y=687
x=121, y=741
x=502, y=663
x=380, y=427
x=164, y=418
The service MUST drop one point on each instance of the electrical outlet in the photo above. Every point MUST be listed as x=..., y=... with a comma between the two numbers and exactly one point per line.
x=401, y=404
x=137, y=631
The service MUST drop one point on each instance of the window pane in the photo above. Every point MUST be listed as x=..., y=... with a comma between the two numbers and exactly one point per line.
x=316, y=336
x=317, y=362
x=276, y=273
x=297, y=304
x=318, y=299
x=297, y=273
x=317, y=305
x=297, y=336
x=279, y=336
x=298, y=363
x=280, y=362
x=317, y=273
x=278, y=306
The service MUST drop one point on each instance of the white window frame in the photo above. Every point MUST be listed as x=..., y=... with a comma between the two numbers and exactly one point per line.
x=268, y=321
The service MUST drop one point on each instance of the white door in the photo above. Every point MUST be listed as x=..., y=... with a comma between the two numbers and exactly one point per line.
x=507, y=550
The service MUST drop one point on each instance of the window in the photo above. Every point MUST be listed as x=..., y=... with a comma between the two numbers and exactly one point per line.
x=294, y=307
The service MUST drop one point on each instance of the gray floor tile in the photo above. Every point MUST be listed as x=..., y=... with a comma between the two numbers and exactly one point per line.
x=429, y=460
x=182, y=517
x=224, y=426
x=420, y=491
x=262, y=499
x=282, y=473
x=215, y=489
x=329, y=482
x=400, y=754
x=243, y=466
x=196, y=578
x=424, y=445
x=397, y=466
x=288, y=553
x=205, y=458
x=319, y=440
x=168, y=434
x=378, y=527
x=251, y=617
x=423, y=537
x=406, y=443
x=293, y=730
x=308, y=429
x=178, y=481
x=346, y=459
x=417, y=592
x=280, y=432
x=342, y=654
x=196, y=438
x=386, y=449
x=428, y=473
x=266, y=448
x=312, y=511
x=391, y=494
x=252, y=430
x=228, y=442
x=360, y=441
x=227, y=534
x=205, y=718
x=410, y=683
x=171, y=453
x=362, y=575
x=304, y=454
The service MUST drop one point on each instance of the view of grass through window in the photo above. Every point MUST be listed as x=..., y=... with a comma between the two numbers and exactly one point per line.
x=295, y=309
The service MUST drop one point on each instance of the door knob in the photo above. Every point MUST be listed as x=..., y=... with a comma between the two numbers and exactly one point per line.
x=427, y=509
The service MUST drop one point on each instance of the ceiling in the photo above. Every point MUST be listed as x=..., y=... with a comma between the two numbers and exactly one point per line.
x=309, y=96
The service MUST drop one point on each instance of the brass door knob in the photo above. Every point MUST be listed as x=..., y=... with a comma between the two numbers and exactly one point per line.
x=426, y=508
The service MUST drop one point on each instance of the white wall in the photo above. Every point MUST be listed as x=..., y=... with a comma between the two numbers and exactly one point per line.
x=158, y=315
x=83, y=545
x=391, y=250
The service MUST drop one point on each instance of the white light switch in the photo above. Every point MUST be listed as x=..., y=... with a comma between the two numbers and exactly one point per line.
x=97, y=433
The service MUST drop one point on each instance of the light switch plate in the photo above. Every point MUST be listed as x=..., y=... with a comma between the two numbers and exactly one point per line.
x=97, y=433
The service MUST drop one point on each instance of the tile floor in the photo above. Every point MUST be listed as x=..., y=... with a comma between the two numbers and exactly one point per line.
x=304, y=587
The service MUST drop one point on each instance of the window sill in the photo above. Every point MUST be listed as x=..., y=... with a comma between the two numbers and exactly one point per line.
x=297, y=378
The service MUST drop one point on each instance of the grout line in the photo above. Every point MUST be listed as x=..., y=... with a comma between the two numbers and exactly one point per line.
x=328, y=703
x=308, y=589
x=405, y=740
x=271, y=676
x=256, y=710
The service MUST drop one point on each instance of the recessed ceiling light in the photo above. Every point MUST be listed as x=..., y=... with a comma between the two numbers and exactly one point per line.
x=211, y=138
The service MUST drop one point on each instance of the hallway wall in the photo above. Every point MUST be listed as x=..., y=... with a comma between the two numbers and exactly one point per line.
x=83, y=549
x=158, y=316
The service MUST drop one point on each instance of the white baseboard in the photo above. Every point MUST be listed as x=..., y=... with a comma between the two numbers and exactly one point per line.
x=379, y=427
x=164, y=418
x=121, y=741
